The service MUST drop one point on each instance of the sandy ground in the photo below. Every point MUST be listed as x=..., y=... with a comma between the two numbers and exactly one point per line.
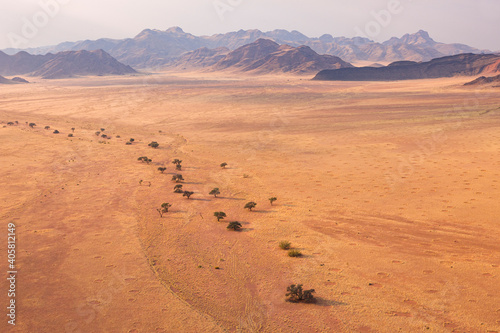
x=390, y=190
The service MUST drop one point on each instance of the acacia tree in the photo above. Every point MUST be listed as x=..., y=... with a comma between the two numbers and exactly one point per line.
x=220, y=215
x=164, y=208
x=162, y=169
x=154, y=144
x=178, y=167
x=236, y=226
x=272, y=199
x=223, y=165
x=178, y=188
x=250, y=205
x=47, y=127
x=31, y=125
x=295, y=294
x=215, y=192
x=177, y=178
x=187, y=194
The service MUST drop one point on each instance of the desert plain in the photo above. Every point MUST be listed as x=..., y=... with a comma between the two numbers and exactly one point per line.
x=389, y=189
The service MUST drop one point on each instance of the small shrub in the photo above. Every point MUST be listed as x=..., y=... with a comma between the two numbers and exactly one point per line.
x=272, y=199
x=223, y=165
x=70, y=135
x=250, y=205
x=47, y=127
x=162, y=169
x=131, y=140
x=294, y=253
x=154, y=144
x=285, y=245
x=97, y=133
x=56, y=132
x=296, y=294
x=177, y=178
x=128, y=143
x=32, y=125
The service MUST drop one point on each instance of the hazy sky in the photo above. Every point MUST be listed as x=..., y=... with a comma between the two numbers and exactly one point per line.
x=25, y=23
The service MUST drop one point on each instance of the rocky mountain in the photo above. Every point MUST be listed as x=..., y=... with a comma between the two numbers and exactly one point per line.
x=152, y=48
x=483, y=80
x=77, y=63
x=15, y=80
x=21, y=63
x=463, y=64
x=201, y=58
x=63, y=64
x=265, y=56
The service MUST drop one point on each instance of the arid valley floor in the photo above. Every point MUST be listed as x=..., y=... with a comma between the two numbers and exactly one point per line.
x=389, y=189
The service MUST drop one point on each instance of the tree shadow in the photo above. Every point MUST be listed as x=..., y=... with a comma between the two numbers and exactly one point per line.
x=198, y=199
x=327, y=302
x=264, y=211
x=192, y=183
x=228, y=198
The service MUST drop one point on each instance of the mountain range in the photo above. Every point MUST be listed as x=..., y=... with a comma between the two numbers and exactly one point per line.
x=462, y=64
x=261, y=57
x=156, y=48
x=63, y=64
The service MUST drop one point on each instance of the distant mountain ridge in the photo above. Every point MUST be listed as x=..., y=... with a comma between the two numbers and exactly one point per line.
x=462, y=64
x=151, y=47
x=63, y=64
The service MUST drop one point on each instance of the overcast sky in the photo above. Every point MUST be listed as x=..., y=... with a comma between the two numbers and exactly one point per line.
x=25, y=23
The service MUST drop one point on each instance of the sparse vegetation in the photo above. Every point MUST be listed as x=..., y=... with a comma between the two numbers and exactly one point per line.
x=294, y=253
x=215, y=192
x=296, y=294
x=145, y=159
x=187, y=194
x=47, y=127
x=223, y=165
x=31, y=125
x=104, y=136
x=131, y=140
x=102, y=129
x=178, y=188
x=73, y=129
x=250, y=205
x=285, y=245
x=56, y=132
x=70, y=135
x=176, y=161
x=10, y=123
x=128, y=143
x=154, y=144
x=236, y=226
x=272, y=199
x=162, y=169
x=144, y=182
x=220, y=215
x=177, y=178
x=97, y=133
x=178, y=167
